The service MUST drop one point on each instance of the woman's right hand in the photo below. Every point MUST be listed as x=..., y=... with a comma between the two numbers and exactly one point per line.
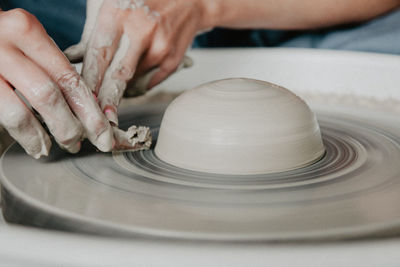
x=32, y=64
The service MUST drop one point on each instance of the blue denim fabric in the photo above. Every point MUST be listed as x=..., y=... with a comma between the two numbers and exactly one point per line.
x=64, y=22
x=380, y=35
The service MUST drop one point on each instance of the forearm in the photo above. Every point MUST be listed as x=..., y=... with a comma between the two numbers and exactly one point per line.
x=293, y=14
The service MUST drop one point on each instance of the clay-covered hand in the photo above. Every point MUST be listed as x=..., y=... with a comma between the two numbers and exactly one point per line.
x=124, y=39
x=35, y=76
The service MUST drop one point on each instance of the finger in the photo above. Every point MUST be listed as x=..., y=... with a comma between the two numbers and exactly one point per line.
x=117, y=76
x=97, y=128
x=75, y=52
x=44, y=96
x=21, y=124
x=157, y=53
x=169, y=66
x=138, y=31
x=138, y=86
x=165, y=70
x=78, y=96
x=100, y=50
x=160, y=48
x=173, y=61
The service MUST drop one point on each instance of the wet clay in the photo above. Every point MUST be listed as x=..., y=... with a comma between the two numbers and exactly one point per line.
x=239, y=126
x=135, y=138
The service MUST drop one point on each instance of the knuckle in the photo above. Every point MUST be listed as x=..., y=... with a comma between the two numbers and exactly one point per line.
x=161, y=49
x=21, y=21
x=68, y=81
x=47, y=94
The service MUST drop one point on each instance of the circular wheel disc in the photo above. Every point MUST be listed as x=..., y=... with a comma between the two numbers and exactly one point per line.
x=353, y=191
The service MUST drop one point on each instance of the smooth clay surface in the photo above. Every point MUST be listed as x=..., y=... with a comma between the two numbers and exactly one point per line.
x=239, y=126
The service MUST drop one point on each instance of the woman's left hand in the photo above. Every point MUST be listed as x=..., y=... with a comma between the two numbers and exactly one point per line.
x=124, y=39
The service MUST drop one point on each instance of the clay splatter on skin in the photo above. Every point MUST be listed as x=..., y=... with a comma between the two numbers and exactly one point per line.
x=98, y=48
x=136, y=4
x=25, y=128
x=99, y=53
x=115, y=80
x=135, y=138
x=67, y=132
x=79, y=96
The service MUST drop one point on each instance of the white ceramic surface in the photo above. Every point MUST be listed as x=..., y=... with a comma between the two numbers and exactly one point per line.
x=239, y=126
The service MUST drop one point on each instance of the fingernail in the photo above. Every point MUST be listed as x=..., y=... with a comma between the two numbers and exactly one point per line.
x=105, y=141
x=111, y=115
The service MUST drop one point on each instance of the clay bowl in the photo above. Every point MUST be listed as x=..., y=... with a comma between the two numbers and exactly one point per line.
x=239, y=126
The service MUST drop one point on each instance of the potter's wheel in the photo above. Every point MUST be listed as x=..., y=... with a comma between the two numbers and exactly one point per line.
x=332, y=73
x=353, y=191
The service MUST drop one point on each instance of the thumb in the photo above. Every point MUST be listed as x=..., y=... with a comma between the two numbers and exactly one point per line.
x=75, y=53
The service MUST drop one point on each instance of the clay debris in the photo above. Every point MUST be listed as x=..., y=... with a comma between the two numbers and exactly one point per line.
x=134, y=139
